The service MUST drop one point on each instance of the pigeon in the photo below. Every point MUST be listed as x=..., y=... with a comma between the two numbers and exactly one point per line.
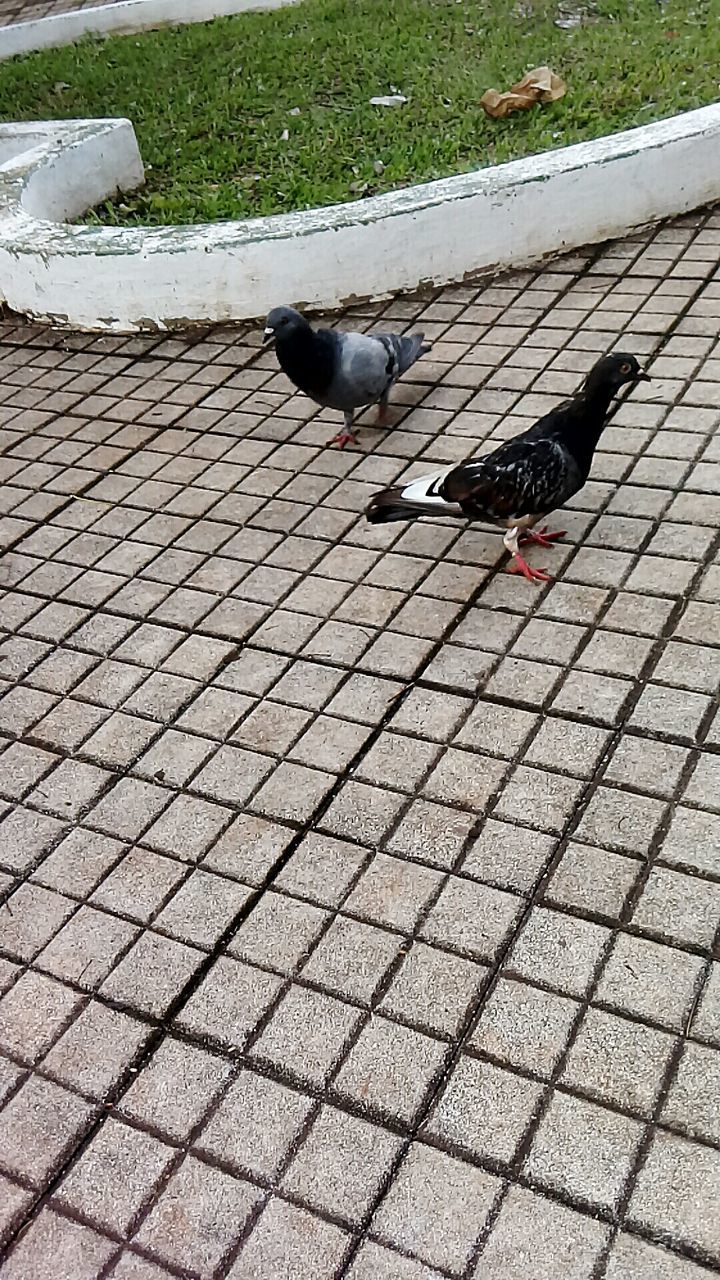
x=341, y=370
x=524, y=479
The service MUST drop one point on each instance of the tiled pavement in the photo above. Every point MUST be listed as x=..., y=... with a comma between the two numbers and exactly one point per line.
x=359, y=900
x=30, y=10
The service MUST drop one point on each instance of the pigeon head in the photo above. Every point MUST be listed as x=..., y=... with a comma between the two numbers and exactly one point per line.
x=613, y=372
x=282, y=323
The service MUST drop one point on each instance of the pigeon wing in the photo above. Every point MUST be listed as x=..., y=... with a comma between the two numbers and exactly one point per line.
x=364, y=369
x=523, y=478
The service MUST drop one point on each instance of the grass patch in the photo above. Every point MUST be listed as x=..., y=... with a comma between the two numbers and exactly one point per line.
x=268, y=112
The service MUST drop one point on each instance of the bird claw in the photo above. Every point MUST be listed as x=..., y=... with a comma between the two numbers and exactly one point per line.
x=342, y=438
x=520, y=565
x=543, y=538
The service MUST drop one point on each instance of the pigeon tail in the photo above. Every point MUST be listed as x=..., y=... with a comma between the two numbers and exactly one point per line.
x=421, y=497
x=410, y=349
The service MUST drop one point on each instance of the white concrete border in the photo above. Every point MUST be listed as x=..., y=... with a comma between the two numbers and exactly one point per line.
x=122, y=18
x=128, y=278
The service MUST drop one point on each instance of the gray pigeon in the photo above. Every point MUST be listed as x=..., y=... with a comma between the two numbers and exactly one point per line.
x=339, y=370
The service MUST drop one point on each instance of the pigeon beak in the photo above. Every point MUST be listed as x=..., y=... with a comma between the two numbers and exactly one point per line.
x=643, y=377
x=268, y=335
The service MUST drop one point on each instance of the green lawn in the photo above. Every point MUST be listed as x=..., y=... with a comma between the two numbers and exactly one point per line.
x=211, y=103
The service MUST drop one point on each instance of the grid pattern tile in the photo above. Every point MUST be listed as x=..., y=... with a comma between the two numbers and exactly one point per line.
x=359, y=903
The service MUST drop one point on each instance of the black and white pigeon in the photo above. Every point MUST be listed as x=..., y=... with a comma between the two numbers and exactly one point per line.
x=524, y=479
x=341, y=370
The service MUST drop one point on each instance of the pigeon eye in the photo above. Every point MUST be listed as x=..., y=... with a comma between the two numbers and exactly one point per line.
x=626, y=368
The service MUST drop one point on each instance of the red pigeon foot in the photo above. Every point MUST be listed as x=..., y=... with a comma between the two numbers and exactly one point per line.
x=342, y=438
x=543, y=538
x=519, y=565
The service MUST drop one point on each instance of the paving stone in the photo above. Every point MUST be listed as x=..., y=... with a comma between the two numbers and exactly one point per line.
x=292, y=793
x=256, y=1125
x=39, y=1126
x=393, y=893
x=678, y=908
x=677, y=1193
x=174, y=758
x=484, y=1111
x=139, y=885
x=330, y=744
x=436, y=1208
x=540, y=799
x=508, y=856
x=534, y=1236
x=618, y=1061
x=689, y=666
x=128, y=808
x=706, y=1020
x=432, y=833
x=213, y=1208
x=232, y=775
x=599, y=698
x=96, y=1050
x=249, y=849
x=175, y=1089
x=229, y=1002
x=14, y=1202
x=341, y=1165
x=395, y=760
x=152, y=974
x=56, y=1248
x=583, y=1150
x=79, y=862
x=633, y=1259
x=434, y=990
x=364, y=698
x=202, y=909
x=322, y=869
x=132, y=1267
x=87, y=947
x=10, y=1075
x=31, y=917
x=525, y=1027
x=390, y=1070
x=593, y=881
x=69, y=724
x=472, y=919
x=518, y=680
x=702, y=789
x=497, y=729
x=115, y=1175
x=215, y=712
x=278, y=933
x=360, y=812
x=673, y=713
x=307, y=1035
x=649, y=981
x=289, y=1241
x=693, y=1103
x=32, y=1015
x=558, y=951
x=434, y=715
x=621, y=821
x=693, y=841
x=568, y=746
x=373, y=1262
x=352, y=959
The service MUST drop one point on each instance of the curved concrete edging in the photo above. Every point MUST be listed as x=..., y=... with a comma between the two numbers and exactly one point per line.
x=126, y=278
